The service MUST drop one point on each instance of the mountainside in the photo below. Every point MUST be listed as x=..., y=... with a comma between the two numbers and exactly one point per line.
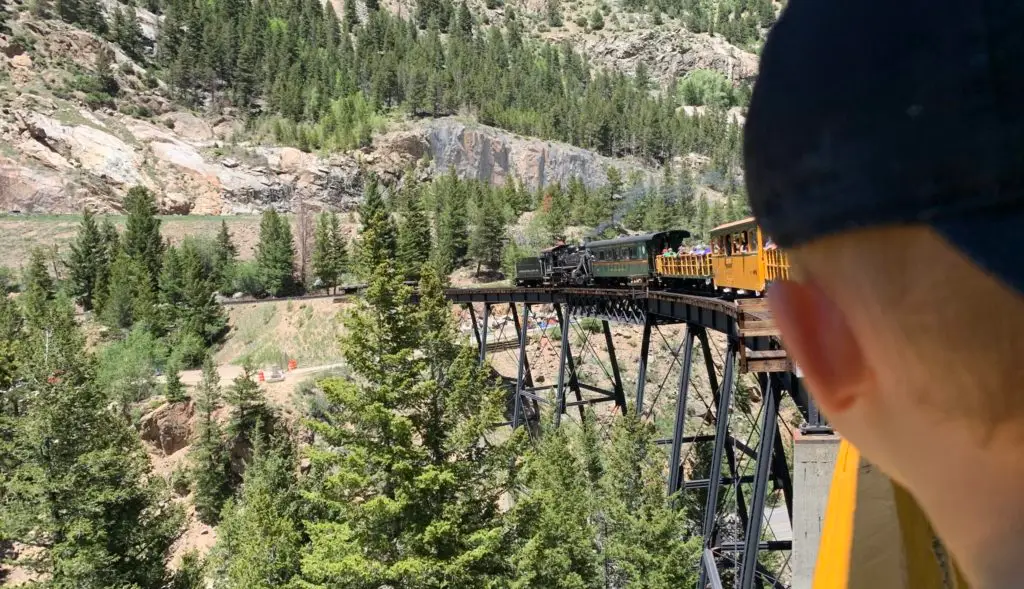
x=66, y=145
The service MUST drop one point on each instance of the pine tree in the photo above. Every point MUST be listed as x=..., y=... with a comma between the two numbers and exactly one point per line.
x=645, y=536
x=225, y=255
x=79, y=487
x=210, y=464
x=324, y=253
x=409, y=496
x=248, y=407
x=259, y=538
x=275, y=254
x=554, y=13
x=11, y=322
x=452, y=223
x=130, y=298
x=377, y=239
x=171, y=280
x=105, y=79
x=349, y=16
x=464, y=22
x=88, y=258
x=554, y=545
x=488, y=235
x=174, y=391
x=128, y=32
x=200, y=315
x=38, y=288
x=414, y=242
x=142, y=241
x=340, y=251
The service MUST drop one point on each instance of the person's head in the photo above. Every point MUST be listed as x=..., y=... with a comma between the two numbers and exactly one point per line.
x=884, y=149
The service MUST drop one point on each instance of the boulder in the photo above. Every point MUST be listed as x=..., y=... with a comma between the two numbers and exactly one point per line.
x=188, y=126
x=21, y=61
x=168, y=427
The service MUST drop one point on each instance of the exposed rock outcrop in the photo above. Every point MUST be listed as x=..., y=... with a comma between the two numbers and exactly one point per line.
x=168, y=427
x=490, y=154
x=668, y=53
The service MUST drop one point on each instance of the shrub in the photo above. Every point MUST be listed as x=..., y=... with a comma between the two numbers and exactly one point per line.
x=96, y=100
x=181, y=482
x=247, y=279
x=591, y=325
x=8, y=280
x=706, y=88
x=190, y=351
x=127, y=369
x=581, y=22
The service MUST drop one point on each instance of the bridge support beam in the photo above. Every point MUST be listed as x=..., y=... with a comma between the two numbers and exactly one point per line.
x=675, y=469
x=524, y=380
x=710, y=527
x=483, y=333
x=770, y=396
x=641, y=372
x=565, y=359
x=730, y=451
x=620, y=395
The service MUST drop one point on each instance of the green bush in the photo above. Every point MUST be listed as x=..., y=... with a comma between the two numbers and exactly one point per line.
x=555, y=333
x=706, y=88
x=247, y=279
x=190, y=351
x=95, y=100
x=181, y=482
x=8, y=280
x=127, y=369
x=591, y=325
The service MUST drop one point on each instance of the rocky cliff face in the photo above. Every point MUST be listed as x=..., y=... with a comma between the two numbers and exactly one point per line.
x=486, y=153
x=57, y=155
x=668, y=52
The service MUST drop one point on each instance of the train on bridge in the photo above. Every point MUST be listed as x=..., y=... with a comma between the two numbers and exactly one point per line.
x=740, y=261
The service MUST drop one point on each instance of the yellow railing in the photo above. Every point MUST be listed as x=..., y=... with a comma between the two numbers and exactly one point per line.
x=776, y=265
x=684, y=265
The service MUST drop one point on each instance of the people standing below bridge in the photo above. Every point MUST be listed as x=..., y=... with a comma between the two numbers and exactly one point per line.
x=884, y=149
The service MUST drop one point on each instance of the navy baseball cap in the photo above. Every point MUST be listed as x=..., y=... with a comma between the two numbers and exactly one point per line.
x=884, y=112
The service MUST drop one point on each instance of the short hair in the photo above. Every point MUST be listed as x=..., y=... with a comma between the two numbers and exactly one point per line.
x=932, y=310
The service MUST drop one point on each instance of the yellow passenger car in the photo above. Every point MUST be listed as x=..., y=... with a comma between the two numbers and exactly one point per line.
x=743, y=260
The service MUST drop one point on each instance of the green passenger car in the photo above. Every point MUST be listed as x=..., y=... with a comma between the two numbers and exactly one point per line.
x=630, y=259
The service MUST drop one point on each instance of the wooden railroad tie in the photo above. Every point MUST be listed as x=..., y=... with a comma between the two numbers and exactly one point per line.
x=755, y=320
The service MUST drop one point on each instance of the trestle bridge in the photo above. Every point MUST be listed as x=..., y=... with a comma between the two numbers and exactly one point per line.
x=748, y=465
x=747, y=538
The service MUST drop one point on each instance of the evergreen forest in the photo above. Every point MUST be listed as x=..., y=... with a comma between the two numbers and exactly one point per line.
x=398, y=478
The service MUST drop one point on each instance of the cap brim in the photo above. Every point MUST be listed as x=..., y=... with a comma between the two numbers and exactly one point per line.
x=991, y=242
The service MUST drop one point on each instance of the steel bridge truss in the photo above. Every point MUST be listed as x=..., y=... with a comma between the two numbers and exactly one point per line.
x=740, y=548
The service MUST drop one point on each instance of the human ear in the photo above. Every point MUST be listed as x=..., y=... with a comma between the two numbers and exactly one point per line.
x=817, y=336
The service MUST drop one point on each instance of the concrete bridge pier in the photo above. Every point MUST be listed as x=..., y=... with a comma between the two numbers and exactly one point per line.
x=814, y=458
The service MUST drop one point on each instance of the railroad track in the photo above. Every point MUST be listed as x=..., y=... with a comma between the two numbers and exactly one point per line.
x=343, y=291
